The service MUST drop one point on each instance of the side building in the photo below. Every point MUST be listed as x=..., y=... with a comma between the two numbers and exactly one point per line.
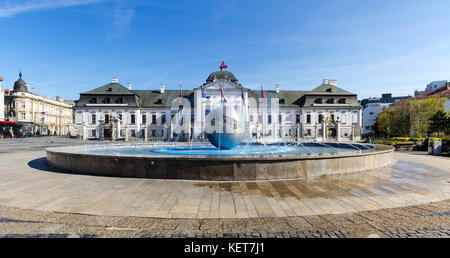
x=47, y=115
x=326, y=113
x=372, y=107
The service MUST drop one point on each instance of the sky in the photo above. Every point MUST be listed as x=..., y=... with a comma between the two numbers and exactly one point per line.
x=65, y=47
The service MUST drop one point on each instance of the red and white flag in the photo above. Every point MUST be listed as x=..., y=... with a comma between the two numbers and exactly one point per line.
x=223, y=65
x=223, y=95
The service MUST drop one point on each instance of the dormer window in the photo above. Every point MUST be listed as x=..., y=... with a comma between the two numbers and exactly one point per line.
x=282, y=101
x=109, y=89
x=330, y=101
x=318, y=101
x=107, y=101
x=93, y=101
x=120, y=101
x=341, y=101
x=329, y=90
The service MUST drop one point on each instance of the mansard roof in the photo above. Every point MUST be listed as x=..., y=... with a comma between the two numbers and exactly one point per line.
x=154, y=99
x=110, y=89
x=329, y=89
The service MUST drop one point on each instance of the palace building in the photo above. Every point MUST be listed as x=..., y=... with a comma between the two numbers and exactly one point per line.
x=54, y=115
x=325, y=113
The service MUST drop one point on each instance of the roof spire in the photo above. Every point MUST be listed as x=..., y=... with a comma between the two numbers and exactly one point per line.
x=20, y=73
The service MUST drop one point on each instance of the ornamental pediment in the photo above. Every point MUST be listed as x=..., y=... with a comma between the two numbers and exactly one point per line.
x=225, y=85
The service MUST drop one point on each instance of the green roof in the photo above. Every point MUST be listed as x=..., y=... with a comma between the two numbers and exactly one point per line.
x=110, y=89
x=287, y=98
x=328, y=88
x=154, y=99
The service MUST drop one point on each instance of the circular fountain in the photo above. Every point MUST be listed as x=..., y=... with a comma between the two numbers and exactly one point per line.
x=202, y=161
x=228, y=156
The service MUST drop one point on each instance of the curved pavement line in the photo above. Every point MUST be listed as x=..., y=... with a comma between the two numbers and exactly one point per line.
x=26, y=182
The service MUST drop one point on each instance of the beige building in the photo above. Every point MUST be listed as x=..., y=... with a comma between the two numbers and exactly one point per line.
x=27, y=107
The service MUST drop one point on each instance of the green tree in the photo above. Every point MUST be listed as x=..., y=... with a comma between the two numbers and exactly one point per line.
x=440, y=123
x=421, y=112
x=382, y=124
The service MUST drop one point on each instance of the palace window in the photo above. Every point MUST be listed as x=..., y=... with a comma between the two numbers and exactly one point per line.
x=163, y=119
x=297, y=119
x=330, y=101
x=341, y=101
x=144, y=119
x=93, y=101
x=120, y=101
x=251, y=118
x=22, y=104
x=308, y=118
x=93, y=133
x=269, y=119
x=320, y=118
x=93, y=119
x=107, y=101
x=22, y=116
x=279, y=119
x=154, y=119
x=318, y=101
x=133, y=119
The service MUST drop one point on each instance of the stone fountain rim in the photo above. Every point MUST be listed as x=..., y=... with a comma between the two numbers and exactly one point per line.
x=67, y=150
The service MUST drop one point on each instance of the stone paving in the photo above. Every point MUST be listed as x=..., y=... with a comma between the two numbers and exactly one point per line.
x=405, y=222
x=27, y=182
x=411, y=199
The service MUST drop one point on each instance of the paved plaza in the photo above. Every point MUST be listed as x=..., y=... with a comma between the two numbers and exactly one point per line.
x=408, y=199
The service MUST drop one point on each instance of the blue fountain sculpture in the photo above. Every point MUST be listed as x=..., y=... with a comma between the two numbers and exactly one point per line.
x=232, y=129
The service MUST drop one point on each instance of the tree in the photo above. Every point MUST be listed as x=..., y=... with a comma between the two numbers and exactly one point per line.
x=440, y=123
x=421, y=112
x=382, y=124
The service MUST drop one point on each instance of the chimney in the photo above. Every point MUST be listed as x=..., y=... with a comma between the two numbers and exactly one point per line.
x=129, y=86
x=58, y=98
x=330, y=82
x=162, y=88
x=115, y=80
x=277, y=88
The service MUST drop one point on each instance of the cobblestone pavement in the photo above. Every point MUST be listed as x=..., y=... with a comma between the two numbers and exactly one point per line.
x=405, y=222
x=424, y=211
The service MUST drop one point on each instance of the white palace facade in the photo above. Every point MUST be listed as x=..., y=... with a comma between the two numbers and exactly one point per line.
x=326, y=113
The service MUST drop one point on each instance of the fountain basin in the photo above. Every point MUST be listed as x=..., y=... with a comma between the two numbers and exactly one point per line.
x=163, y=162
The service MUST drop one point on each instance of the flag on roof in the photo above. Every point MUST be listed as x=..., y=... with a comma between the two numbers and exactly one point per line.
x=263, y=95
x=204, y=95
x=223, y=65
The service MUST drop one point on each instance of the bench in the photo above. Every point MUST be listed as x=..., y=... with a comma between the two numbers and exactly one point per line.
x=404, y=146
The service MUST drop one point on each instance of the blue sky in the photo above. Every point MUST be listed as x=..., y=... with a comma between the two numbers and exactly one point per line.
x=65, y=47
